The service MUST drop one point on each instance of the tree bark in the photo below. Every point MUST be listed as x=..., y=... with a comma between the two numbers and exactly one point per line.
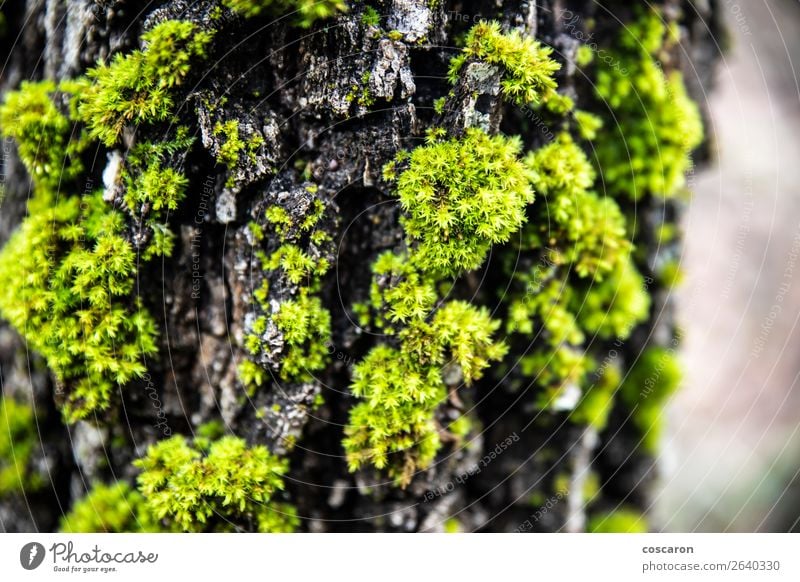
x=299, y=89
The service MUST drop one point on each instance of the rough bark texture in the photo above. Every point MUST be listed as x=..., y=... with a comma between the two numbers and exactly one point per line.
x=295, y=88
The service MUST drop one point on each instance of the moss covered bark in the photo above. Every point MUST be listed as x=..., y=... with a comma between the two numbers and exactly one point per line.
x=325, y=266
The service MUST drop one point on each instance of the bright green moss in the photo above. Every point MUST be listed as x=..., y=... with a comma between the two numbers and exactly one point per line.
x=460, y=196
x=306, y=328
x=622, y=520
x=587, y=124
x=137, y=88
x=598, y=399
x=459, y=333
x=612, y=308
x=43, y=134
x=526, y=65
x=645, y=148
x=393, y=428
x=653, y=379
x=589, y=230
x=412, y=294
x=303, y=13
x=584, y=55
x=233, y=146
x=149, y=178
x=304, y=323
x=279, y=218
x=370, y=17
x=19, y=438
x=66, y=279
x=109, y=509
x=223, y=486
x=296, y=265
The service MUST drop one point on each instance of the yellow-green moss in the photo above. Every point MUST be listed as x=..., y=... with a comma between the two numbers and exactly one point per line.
x=19, y=438
x=652, y=126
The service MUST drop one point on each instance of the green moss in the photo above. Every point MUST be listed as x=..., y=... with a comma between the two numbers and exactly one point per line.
x=587, y=124
x=44, y=136
x=370, y=17
x=589, y=229
x=220, y=487
x=653, y=379
x=232, y=144
x=526, y=65
x=296, y=265
x=598, y=399
x=109, y=509
x=460, y=196
x=150, y=180
x=622, y=520
x=279, y=218
x=214, y=484
x=137, y=88
x=306, y=328
x=304, y=323
x=19, y=437
x=393, y=428
x=303, y=13
x=653, y=126
x=66, y=283
x=614, y=306
x=584, y=56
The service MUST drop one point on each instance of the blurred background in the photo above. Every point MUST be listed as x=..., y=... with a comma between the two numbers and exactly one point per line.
x=732, y=460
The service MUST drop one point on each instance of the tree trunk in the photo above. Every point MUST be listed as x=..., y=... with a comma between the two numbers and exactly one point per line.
x=319, y=111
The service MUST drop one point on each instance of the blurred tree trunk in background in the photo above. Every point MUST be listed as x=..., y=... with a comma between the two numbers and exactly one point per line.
x=334, y=104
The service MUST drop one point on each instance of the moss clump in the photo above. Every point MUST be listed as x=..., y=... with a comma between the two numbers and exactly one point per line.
x=18, y=440
x=526, y=65
x=589, y=229
x=584, y=283
x=306, y=328
x=396, y=417
x=297, y=266
x=137, y=87
x=44, y=135
x=653, y=126
x=370, y=17
x=303, y=13
x=66, y=279
x=109, y=509
x=653, y=379
x=393, y=428
x=461, y=196
x=622, y=520
x=222, y=485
